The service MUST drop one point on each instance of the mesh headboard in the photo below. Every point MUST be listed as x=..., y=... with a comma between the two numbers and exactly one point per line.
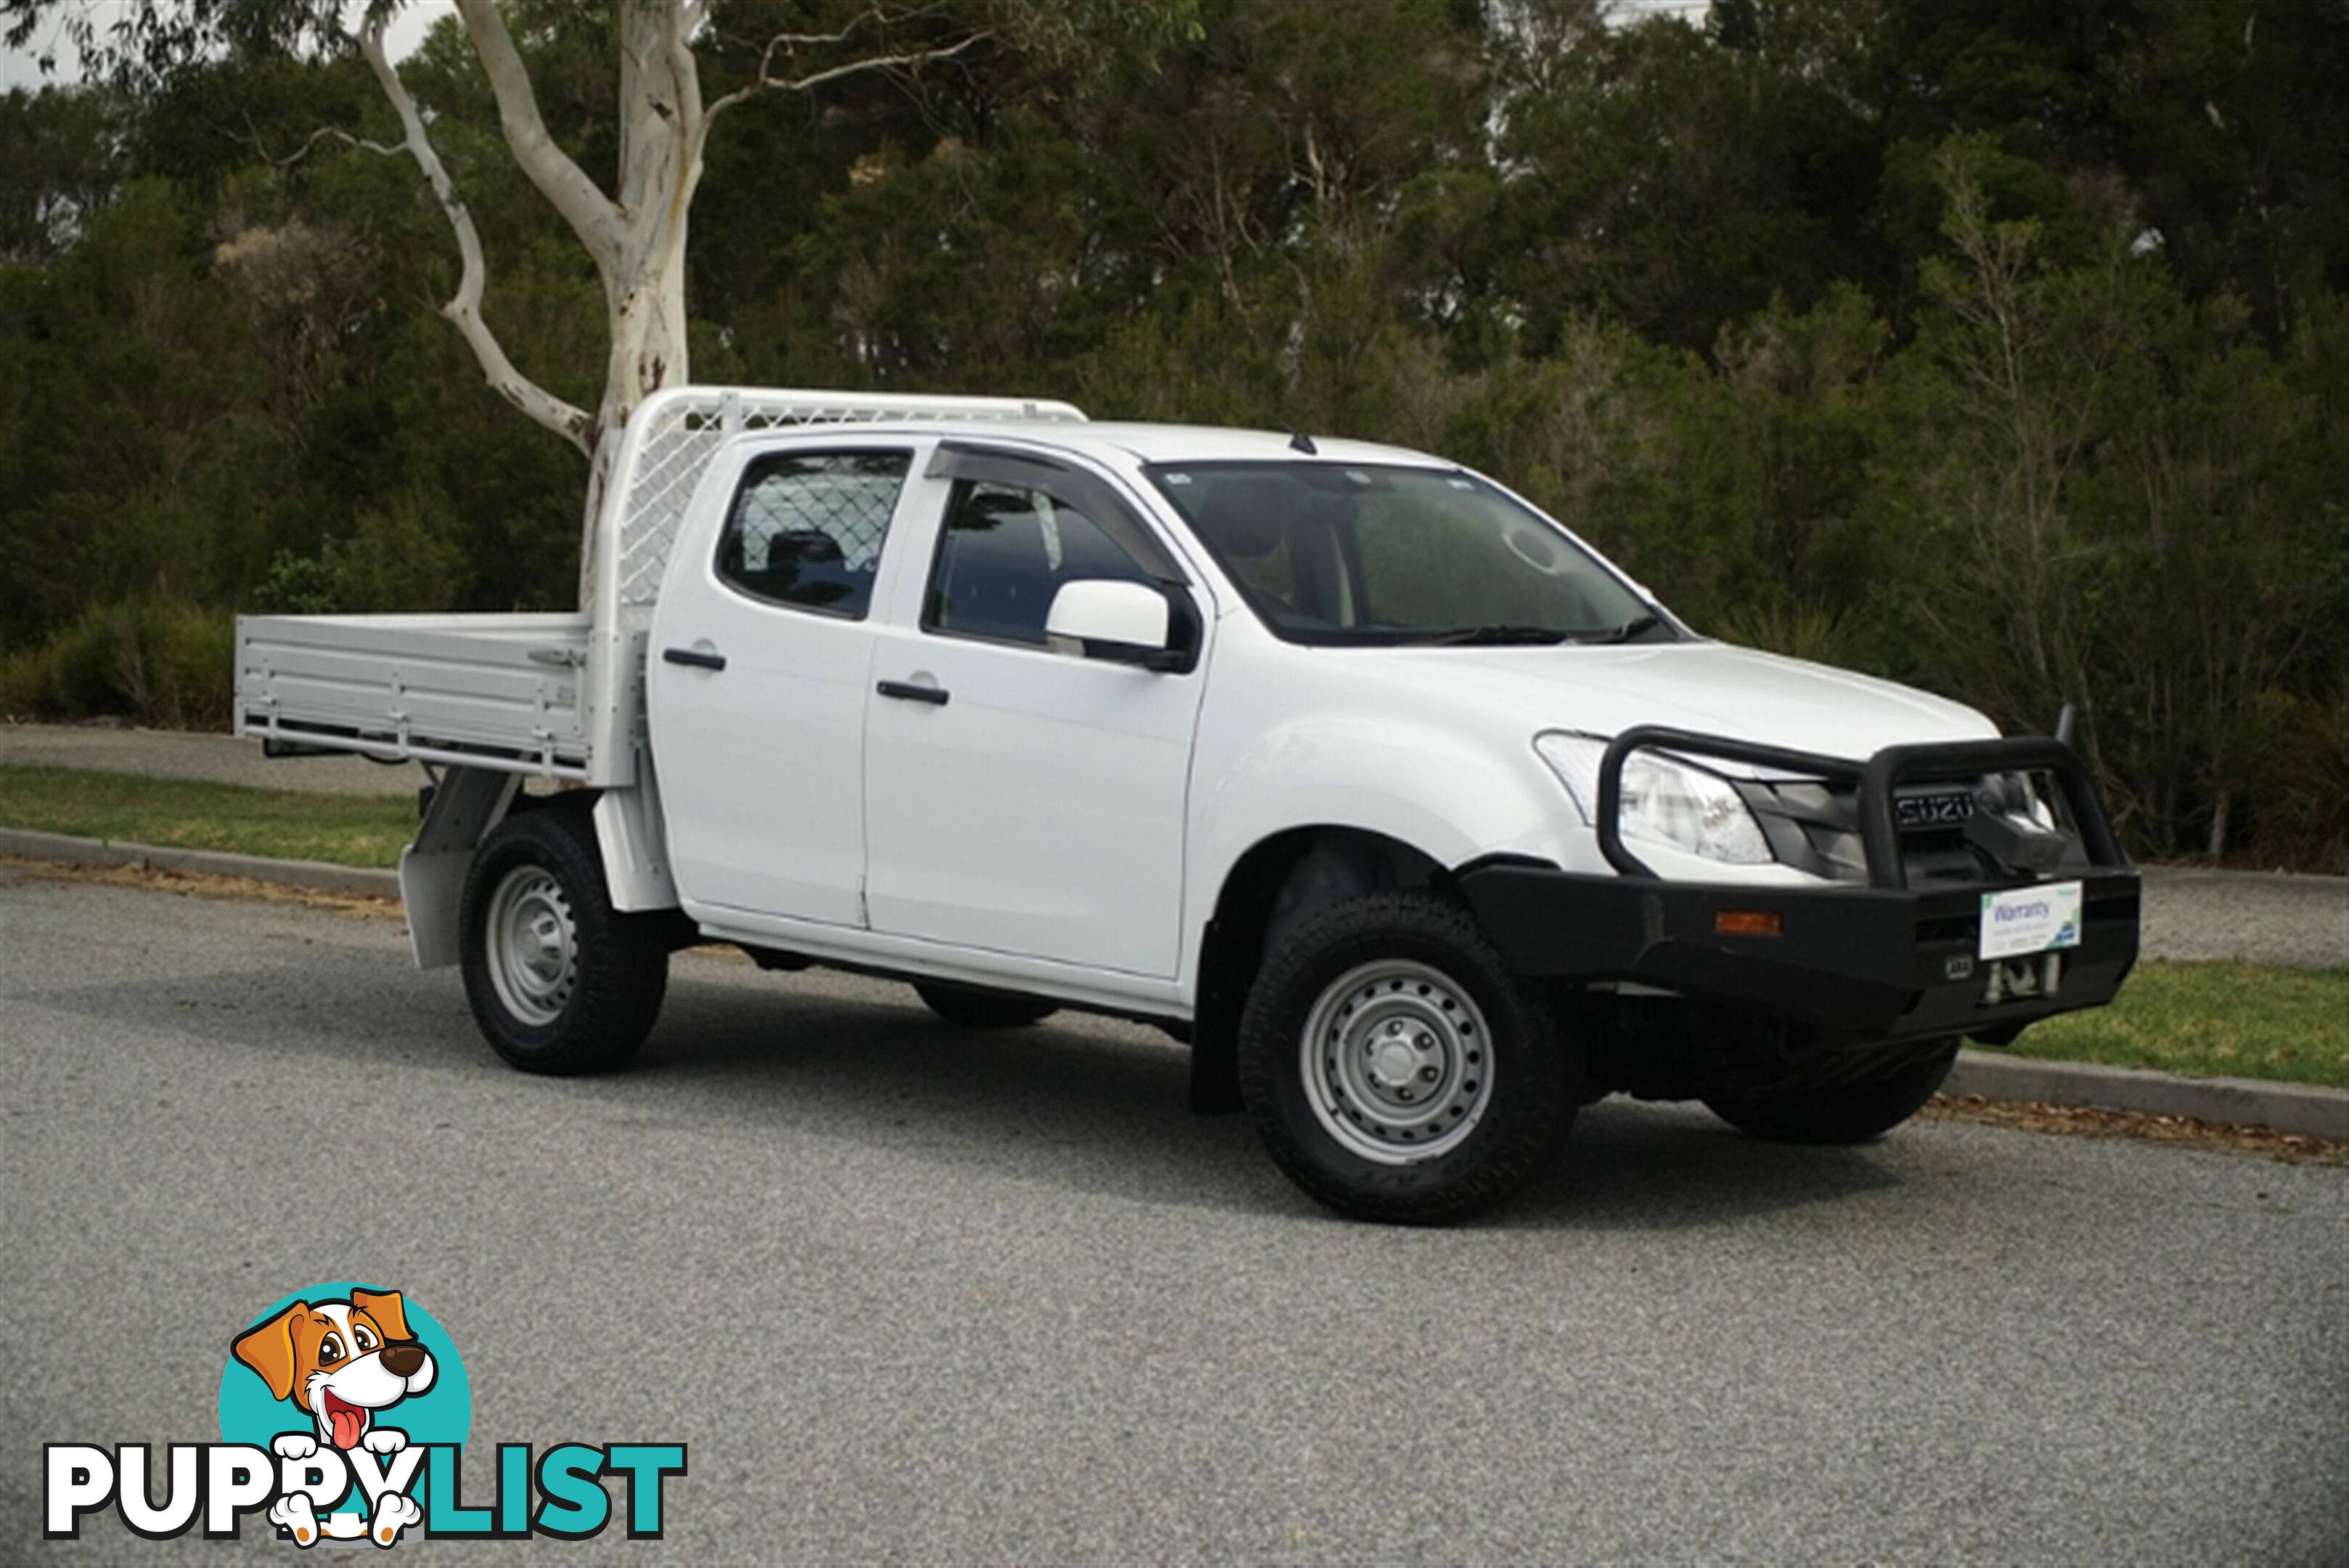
x=674, y=434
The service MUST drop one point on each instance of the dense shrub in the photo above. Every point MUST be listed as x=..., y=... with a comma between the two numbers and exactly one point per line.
x=159, y=661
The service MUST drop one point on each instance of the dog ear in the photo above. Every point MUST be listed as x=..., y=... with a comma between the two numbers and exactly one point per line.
x=386, y=1308
x=268, y=1349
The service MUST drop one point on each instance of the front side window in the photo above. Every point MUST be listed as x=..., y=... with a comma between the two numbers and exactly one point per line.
x=806, y=528
x=1006, y=550
x=1328, y=553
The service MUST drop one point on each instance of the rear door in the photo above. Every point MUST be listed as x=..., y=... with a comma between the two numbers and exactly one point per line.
x=1022, y=800
x=758, y=672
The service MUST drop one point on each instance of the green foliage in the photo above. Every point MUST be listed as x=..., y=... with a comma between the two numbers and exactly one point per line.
x=1994, y=346
x=1673, y=182
x=393, y=560
x=62, y=167
x=151, y=658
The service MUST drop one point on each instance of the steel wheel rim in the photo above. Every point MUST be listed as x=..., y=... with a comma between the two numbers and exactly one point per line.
x=534, y=942
x=1396, y=1061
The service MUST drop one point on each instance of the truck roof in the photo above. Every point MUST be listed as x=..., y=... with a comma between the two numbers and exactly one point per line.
x=1200, y=443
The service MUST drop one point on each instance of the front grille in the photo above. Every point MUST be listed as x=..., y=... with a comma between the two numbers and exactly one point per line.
x=1943, y=855
x=1814, y=827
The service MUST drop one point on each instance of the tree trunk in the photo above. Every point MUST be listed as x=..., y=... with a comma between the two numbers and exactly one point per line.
x=648, y=352
x=662, y=125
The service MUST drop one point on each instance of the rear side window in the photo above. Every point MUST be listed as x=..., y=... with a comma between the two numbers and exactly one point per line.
x=805, y=528
x=1005, y=551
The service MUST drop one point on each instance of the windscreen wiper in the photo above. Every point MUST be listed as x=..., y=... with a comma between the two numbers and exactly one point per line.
x=1496, y=636
x=1637, y=626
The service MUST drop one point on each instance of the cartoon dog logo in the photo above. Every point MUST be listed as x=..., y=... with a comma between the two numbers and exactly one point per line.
x=340, y=1361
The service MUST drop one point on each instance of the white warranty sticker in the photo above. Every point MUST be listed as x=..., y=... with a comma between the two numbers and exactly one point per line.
x=2031, y=919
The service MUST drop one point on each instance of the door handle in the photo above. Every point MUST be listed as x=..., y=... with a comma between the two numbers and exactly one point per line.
x=907, y=692
x=693, y=657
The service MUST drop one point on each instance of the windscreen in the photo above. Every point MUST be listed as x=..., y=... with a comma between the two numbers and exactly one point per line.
x=1328, y=553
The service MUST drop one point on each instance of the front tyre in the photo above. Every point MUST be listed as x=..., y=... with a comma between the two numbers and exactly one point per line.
x=1394, y=1070
x=559, y=980
x=1845, y=1113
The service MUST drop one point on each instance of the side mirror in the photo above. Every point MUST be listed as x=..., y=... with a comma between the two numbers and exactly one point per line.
x=1121, y=622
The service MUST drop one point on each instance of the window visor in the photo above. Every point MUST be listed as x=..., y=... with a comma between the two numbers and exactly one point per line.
x=1087, y=492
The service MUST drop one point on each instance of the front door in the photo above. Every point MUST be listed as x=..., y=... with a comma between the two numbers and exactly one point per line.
x=758, y=669
x=1021, y=800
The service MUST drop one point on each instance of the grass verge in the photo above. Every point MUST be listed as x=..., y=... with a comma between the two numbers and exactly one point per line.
x=346, y=830
x=2212, y=1019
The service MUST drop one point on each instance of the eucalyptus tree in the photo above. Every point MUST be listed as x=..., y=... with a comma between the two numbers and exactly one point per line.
x=634, y=227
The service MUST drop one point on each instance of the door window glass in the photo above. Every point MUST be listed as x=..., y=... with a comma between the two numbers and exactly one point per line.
x=1007, y=549
x=806, y=528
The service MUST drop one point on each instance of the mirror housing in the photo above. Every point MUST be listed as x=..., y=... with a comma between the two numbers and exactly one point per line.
x=1123, y=623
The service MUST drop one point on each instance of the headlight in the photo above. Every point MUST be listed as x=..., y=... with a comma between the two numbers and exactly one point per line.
x=1665, y=801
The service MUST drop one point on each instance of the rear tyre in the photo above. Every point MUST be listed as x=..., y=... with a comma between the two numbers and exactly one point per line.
x=1847, y=1113
x=975, y=1007
x=560, y=982
x=1394, y=1069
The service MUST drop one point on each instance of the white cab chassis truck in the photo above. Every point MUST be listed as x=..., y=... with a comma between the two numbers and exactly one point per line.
x=1421, y=823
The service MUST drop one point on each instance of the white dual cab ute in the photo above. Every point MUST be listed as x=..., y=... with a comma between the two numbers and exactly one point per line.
x=1423, y=824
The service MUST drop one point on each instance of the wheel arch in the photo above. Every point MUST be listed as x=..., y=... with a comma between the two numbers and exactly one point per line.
x=467, y=804
x=558, y=979
x=1277, y=882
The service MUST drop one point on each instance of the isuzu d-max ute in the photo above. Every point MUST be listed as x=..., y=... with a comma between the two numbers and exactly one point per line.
x=1419, y=822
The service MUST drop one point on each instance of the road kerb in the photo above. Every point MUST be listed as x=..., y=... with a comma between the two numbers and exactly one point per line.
x=315, y=876
x=2301, y=1108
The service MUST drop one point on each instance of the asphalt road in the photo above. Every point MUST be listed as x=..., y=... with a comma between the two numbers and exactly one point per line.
x=913, y=1293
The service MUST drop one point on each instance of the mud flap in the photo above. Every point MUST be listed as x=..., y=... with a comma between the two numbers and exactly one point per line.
x=466, y=804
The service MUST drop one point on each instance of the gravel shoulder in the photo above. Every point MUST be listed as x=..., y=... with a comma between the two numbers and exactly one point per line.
x=182, y=754
x=2302, y=922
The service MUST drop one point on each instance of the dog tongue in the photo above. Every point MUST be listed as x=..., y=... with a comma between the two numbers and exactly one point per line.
x=346, y=1422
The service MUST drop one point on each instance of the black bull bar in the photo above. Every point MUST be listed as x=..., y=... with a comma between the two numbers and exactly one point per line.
x=1881, y=960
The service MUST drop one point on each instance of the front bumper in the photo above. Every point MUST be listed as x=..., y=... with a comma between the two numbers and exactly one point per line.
x=1880, y=961
x=1867, y=962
